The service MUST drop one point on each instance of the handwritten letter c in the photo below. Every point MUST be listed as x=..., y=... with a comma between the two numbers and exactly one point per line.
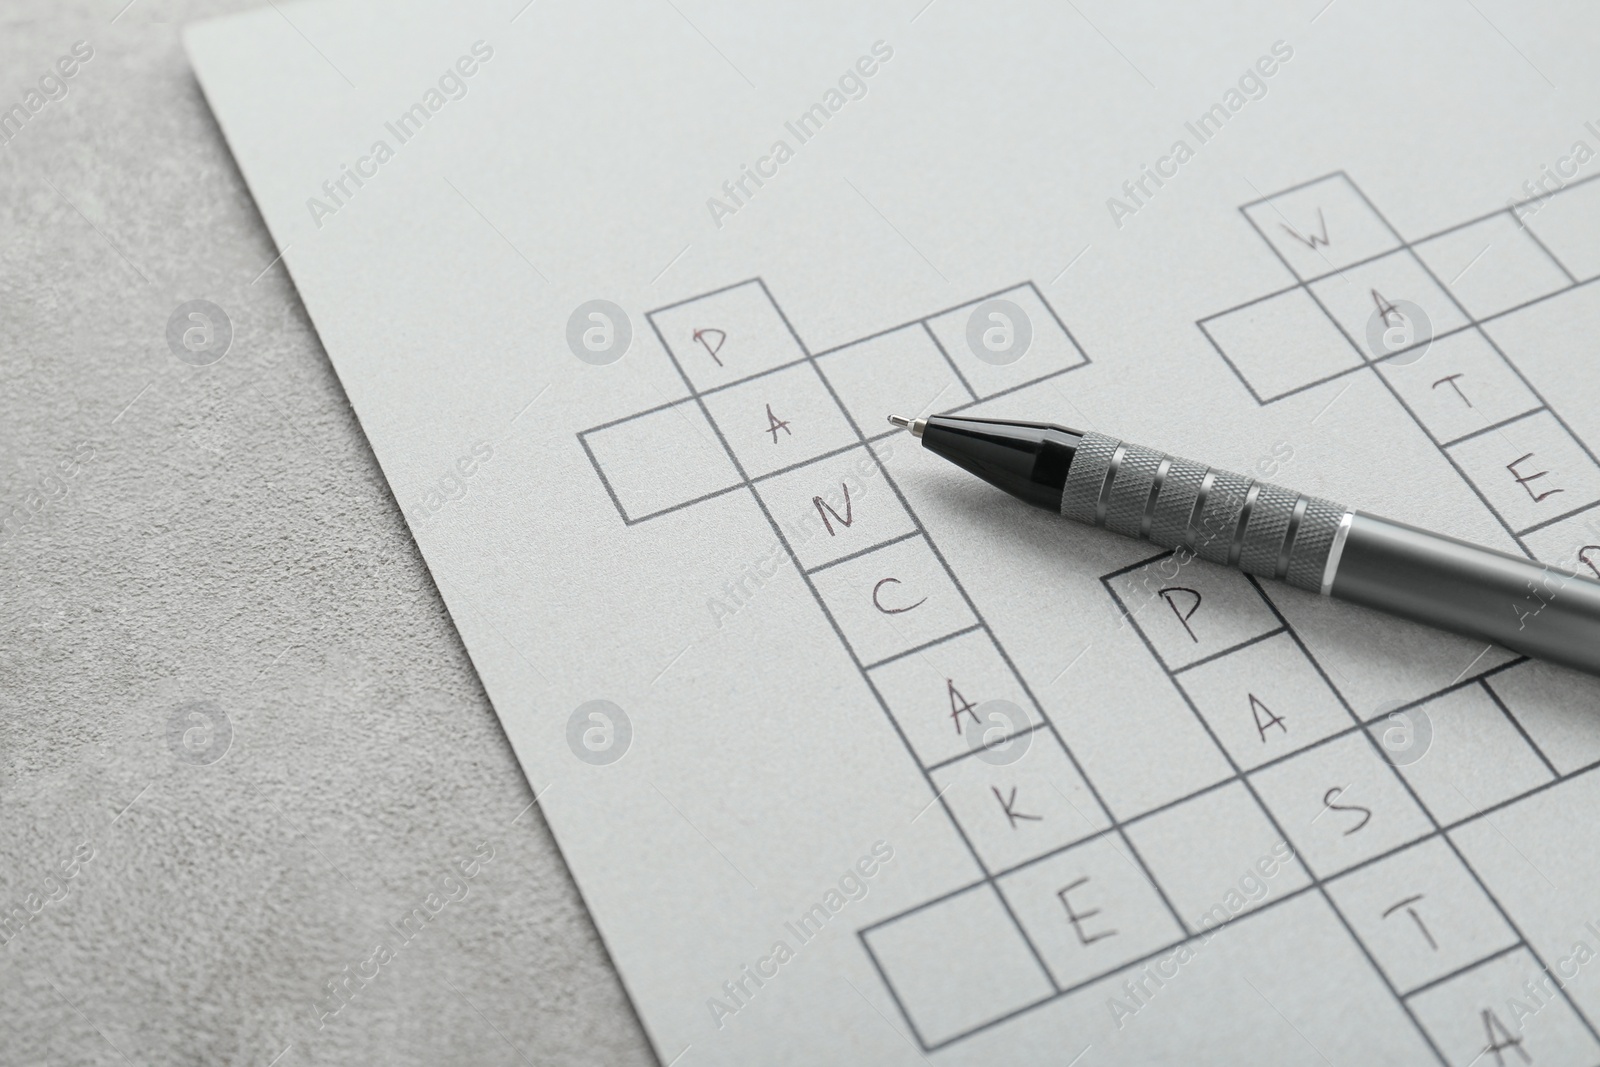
x=892, y=611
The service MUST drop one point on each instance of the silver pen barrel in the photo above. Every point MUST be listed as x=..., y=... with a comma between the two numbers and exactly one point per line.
x=1522, y=604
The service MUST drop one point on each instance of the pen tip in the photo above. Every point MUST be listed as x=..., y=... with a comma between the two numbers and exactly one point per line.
x=916, y=426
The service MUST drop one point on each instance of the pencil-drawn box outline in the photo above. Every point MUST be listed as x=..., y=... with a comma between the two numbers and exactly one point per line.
x=694, y=395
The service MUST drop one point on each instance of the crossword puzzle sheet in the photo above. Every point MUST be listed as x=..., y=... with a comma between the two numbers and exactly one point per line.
x=854, y=759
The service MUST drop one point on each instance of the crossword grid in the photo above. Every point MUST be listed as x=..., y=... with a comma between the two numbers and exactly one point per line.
x=1448, y=1035
x=1369, y=728
x=1438, y=829
x=679, y=347
x=1403, y=356
x=996, y=909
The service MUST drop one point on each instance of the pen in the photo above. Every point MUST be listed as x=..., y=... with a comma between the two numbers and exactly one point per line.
x=1272, y=532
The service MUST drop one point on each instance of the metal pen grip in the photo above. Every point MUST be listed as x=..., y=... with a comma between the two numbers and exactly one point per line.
x=1226, y=518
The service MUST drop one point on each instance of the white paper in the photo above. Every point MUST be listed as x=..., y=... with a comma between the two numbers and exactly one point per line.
x=1195, y=851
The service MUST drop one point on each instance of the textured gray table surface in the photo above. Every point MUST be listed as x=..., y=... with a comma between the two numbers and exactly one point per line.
x=178, y=890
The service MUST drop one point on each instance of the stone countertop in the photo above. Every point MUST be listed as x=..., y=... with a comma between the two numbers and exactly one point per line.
x=256, y=806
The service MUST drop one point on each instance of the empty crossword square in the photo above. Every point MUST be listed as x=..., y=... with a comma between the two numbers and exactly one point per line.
x=1322, y=227
x=957, y=963
x=834, y=506
x=1389, y=305
x=1189, y=611
x=780, y=419
x=727, y=336
x=1568, y=224
x=901, y=371
x=1458, y=385
x=1089, y=910
x=1474, y=756
x=955, y=697
x=1492, y=265
x=1531, y=470
x=1557, y=707
x=1340, y=803
x=1005, y=341
x=1421, y=914
x=1265, y=700
x=1025, y=801
x=1217, y=856
x=892, y=600
x=628, y=455
x=1472, y=1014
x=1281, y=343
